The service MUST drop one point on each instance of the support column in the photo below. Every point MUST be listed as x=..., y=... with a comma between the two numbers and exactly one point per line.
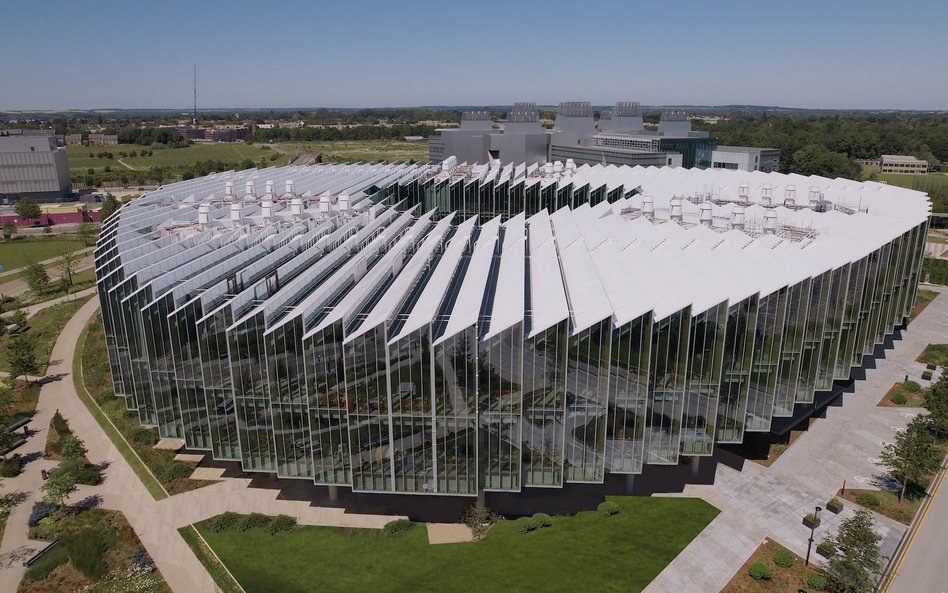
x=630, y=484
x=695, y=465
x=333, y=493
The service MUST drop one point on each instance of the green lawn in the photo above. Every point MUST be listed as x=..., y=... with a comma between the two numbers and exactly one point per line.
x=364, y=151
x=16, y=254
x=45, y=328
x=919, y=182
x=936, y=354
x=582, y=553
x=232, y=152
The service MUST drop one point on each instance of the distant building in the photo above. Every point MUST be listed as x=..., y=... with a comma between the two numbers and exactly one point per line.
x=73, y=140
x=103, y=139
x=896, y=163
x=33, y=167
x=620, y=138
x=739, y=158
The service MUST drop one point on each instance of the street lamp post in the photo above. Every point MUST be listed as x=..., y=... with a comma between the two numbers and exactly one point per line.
x=812, y=529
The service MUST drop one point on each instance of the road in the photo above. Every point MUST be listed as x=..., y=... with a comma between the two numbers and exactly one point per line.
x=923, y=568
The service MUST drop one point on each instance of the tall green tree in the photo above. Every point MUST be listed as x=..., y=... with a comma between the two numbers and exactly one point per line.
x=109, y=206
x=35, y=276
x=67, y=262
x=857, y=560
x=27, y=208
x=815, y=159
x=73, y=447
x=936, y=402
x=21, y=356
x=58, y=487
x=9, y=227
x=87, y=232
x=912, y=455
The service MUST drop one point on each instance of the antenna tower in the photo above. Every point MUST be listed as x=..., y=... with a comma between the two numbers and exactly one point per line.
x=195, y=94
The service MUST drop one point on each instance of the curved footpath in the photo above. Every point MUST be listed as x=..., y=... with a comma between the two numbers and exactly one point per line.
x=155, y=522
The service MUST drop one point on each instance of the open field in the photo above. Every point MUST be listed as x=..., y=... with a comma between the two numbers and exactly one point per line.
x=587, y=552
x=919, y=182
x=365, y=150
x=229, y=152
x=16, y=254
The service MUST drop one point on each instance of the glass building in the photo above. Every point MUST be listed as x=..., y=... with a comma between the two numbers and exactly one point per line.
x=454, y=329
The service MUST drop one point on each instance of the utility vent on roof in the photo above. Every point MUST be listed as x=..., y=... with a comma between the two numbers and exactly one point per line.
x=251, y=190
x=790, y=196
x=748, y=244
x=780, y=242
x=718, y=244
x=688, y=244
x=766, y=193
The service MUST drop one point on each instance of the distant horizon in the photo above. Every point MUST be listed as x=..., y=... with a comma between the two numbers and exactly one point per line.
x=498, y=106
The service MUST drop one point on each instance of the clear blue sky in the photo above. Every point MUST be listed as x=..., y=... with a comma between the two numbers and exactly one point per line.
x=804, y=53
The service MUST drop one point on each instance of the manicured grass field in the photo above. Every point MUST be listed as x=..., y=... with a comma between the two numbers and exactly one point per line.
x=582, y=553
x=15, y=254
x=45, y=327
x=362, y=151
x=229, y=152
x=919, y=182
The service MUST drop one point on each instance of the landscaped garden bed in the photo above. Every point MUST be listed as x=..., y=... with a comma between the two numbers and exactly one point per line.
x=922, y=300
x=908, y=394
x=782, y=579
x=936, y=354
x=97, y=551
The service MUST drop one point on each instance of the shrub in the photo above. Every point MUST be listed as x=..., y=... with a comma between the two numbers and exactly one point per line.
x=783, y=558
x=81, y=472
x=145, y=436
x=817, y=581
x=177, y=470
x=252, y=521
x=812, y=518
x=912, y=387
x=927, y=375
x=45, y=565
x=607, y=509
x=41, y=510
x=223, y=521
x=396, y=526
x=281, y=523
x=829, y=545
x=85, y=552
x=10, y=468
x=140, y=557
x=899, y=399
x=868, y=499
x=760, y=572
x=836, y=502
x=543, y=520
x=524, y=524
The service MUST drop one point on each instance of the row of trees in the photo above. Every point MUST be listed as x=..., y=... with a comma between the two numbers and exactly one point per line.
x=396, y=132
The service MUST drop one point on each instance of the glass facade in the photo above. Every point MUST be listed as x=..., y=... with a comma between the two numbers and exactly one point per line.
x=292, y=359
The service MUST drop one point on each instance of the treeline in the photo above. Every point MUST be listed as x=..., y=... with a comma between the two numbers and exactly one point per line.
x=853, y=136
x=396, y=132
x=150, y=136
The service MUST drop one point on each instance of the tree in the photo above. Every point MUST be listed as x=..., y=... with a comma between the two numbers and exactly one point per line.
x=936, y=402
x=87, y=232
x=109, y=207
x=912, y=456
x=479, y=518
x=35, y=276
x=27, y=208
x=18, y=318
x=73, y=448
x=856, y=562
x=21, y=356
x=815, y=159
x=58, y=487
x=67, y=263
x=9, y=227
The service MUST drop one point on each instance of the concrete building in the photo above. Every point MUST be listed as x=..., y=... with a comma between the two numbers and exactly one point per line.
x=33, y=167
x=458, y=329
x=103, y=139
x=620, y=138
x=897, y=163
x=741, y=158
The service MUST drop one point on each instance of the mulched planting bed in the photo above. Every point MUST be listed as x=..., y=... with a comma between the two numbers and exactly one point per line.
x=785, y=580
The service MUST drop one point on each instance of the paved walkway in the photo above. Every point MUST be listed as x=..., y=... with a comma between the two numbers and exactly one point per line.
x=156, y=523
x=757, y=502
x=19, y=286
